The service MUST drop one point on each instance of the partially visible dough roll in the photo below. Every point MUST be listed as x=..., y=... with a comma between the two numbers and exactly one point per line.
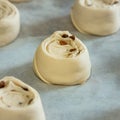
x=98, y=17
x=62, y=59
x=9, y=22
x=18, y=101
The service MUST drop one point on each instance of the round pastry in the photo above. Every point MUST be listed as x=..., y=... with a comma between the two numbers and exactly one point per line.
x=9, y=22
x=62, y=59
x=98, y=17
x=18, y=101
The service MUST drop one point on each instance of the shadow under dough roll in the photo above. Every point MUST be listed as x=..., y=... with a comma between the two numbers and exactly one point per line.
x=9, y=22
x=97, y=17
x=62, y=59
x=18, y=101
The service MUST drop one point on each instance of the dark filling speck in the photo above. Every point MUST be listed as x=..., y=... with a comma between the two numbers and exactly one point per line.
x=64, y=35
x=24, y=88
x=72, y=50
x=30, y=101
x=72, y=37
x=13, y=90
x=2, y=84
x=116, y=2
x=27, y=96
x=20, y=103
x=62, y=42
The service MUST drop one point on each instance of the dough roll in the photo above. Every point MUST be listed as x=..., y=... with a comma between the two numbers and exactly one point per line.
x=9, y=22
x=62, y=59
x=18, y=101
x=97, y=17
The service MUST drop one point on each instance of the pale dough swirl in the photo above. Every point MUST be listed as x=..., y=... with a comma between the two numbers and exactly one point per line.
x=98, y=17
x=18, y=101
x=69, y=49
x=62, y=59
x=9, y=22
x=14, y=95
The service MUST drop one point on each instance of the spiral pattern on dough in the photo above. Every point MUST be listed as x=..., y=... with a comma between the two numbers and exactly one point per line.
x=19, y=101
x=14, y=95
x=6, y=9
x=63, y=47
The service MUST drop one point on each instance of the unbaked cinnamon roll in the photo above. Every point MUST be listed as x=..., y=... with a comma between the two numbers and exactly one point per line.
x=62, y=59
x=18, y=101
x=98, y=17
x=9, y=22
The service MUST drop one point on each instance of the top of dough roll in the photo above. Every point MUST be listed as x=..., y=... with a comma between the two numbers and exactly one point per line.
x=63, y=45
x=19, y=101
x=15, y=94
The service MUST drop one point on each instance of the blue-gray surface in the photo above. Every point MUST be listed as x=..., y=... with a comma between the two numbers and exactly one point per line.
x=99, y=98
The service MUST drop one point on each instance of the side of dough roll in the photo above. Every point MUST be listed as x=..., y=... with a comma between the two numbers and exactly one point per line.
x=62, y=59
x=97, y=17
x=9, y=22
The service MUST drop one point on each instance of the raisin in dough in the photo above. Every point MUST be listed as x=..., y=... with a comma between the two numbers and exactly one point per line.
x=18, y=101
x=9, y=22
x=98, y=17
x=62, y=59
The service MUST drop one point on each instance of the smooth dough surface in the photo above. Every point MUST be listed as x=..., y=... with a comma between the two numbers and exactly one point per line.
x=98, y=17
x=9, y=22
x=18, y=101
x=62, y=59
